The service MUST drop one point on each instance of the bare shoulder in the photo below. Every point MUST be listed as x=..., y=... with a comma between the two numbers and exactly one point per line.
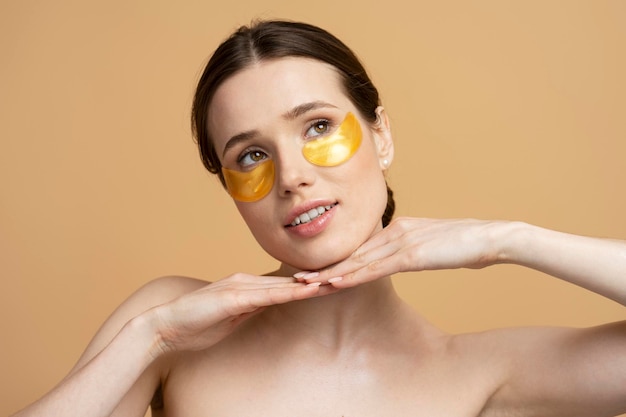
x=156, y=292
x=161, y=290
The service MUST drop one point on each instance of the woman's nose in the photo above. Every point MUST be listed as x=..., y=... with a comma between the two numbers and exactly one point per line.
x=294, y=174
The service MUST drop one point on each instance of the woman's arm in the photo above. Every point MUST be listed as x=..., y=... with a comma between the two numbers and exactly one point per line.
x=120, y=370
x=553, y=372
x=98, y=387
x=541, y=371
x=114, y=371
x=596, y=264
x=410, y=244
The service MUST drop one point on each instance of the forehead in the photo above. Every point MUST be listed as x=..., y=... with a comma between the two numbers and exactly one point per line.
x=257, y=96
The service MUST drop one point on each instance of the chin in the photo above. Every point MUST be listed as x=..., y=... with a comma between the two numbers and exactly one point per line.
x=316, y=258
x=315, y=264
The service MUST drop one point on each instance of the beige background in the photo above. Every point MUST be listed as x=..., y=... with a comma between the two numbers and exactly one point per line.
x=510, y=110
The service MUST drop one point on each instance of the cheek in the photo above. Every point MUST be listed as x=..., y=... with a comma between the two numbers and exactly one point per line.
x=368, y=181
x=250, y=213
x=257, y=218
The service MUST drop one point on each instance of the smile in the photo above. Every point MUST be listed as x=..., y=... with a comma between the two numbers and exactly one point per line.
x=311, y=214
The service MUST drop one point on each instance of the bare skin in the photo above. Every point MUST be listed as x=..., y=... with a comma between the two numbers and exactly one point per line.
x=363, y=352
x=340, y=342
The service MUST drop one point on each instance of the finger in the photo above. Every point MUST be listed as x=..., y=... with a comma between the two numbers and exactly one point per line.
x=252, y=284
x=252, y=299
x=358, y=261
x=377, y=269
x=360, y=256
x=326, y=290
x=396, y=230
x=381, y=238
x=384, y=243
x=248, y=311
x=266, y=279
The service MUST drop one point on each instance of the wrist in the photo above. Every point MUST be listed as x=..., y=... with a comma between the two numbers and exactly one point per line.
x=144, y=331
x=510, y=239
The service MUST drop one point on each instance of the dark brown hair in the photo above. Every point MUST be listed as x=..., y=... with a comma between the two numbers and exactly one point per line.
x=278, y=39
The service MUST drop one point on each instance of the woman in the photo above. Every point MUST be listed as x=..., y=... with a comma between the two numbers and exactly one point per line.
x=286, y=116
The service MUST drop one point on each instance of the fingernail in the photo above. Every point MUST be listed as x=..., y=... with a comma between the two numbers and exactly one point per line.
x=336, y=279
x=314, y=284
x=301, y=274
x=310, y=275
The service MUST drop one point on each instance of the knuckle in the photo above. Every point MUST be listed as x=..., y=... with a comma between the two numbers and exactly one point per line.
x=359, y=257
x=237, y=276
x=237, y=303
x=272, y=295
x=375, y=266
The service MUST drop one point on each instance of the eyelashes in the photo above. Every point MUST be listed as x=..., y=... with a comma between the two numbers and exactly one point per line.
x=250, y=157
x=319, y=127
x=316, y=129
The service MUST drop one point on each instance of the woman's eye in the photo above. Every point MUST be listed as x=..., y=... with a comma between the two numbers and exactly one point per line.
x=251, y=158
x=320, y=127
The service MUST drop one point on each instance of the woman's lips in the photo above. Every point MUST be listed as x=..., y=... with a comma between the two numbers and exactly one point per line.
x=311, y=214
x=311, y=223
x=300, y=209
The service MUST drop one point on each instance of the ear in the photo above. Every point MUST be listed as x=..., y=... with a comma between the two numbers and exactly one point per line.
x=383, y=139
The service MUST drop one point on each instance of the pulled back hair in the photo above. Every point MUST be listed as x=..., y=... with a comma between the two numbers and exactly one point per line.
x=267, y=40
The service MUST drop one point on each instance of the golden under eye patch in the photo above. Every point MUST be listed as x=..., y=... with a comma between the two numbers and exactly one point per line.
x=337, y=148
x=251, y=185
x=328, y=151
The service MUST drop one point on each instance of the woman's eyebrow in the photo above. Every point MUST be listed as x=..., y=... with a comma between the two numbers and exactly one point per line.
x=292, y=114
x=300, y=109
x=240, y=137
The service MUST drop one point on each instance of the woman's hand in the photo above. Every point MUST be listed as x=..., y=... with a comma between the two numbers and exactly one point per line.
x=200, y=319
x=116, y=376
x=412, y=244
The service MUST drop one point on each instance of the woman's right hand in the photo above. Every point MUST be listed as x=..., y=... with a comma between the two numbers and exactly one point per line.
x=202, y=318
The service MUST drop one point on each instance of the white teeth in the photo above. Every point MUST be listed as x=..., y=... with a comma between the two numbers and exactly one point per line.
x=310, y=215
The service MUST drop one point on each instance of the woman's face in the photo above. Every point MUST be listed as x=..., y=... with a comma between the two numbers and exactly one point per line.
x=268, y=112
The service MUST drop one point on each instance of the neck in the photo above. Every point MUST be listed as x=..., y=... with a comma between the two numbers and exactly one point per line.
x=339, y=319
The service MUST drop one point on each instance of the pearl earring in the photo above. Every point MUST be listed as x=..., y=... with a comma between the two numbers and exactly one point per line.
x=386, y=163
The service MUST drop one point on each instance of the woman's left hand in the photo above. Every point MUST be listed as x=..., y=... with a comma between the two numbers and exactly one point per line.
x=415, y=244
